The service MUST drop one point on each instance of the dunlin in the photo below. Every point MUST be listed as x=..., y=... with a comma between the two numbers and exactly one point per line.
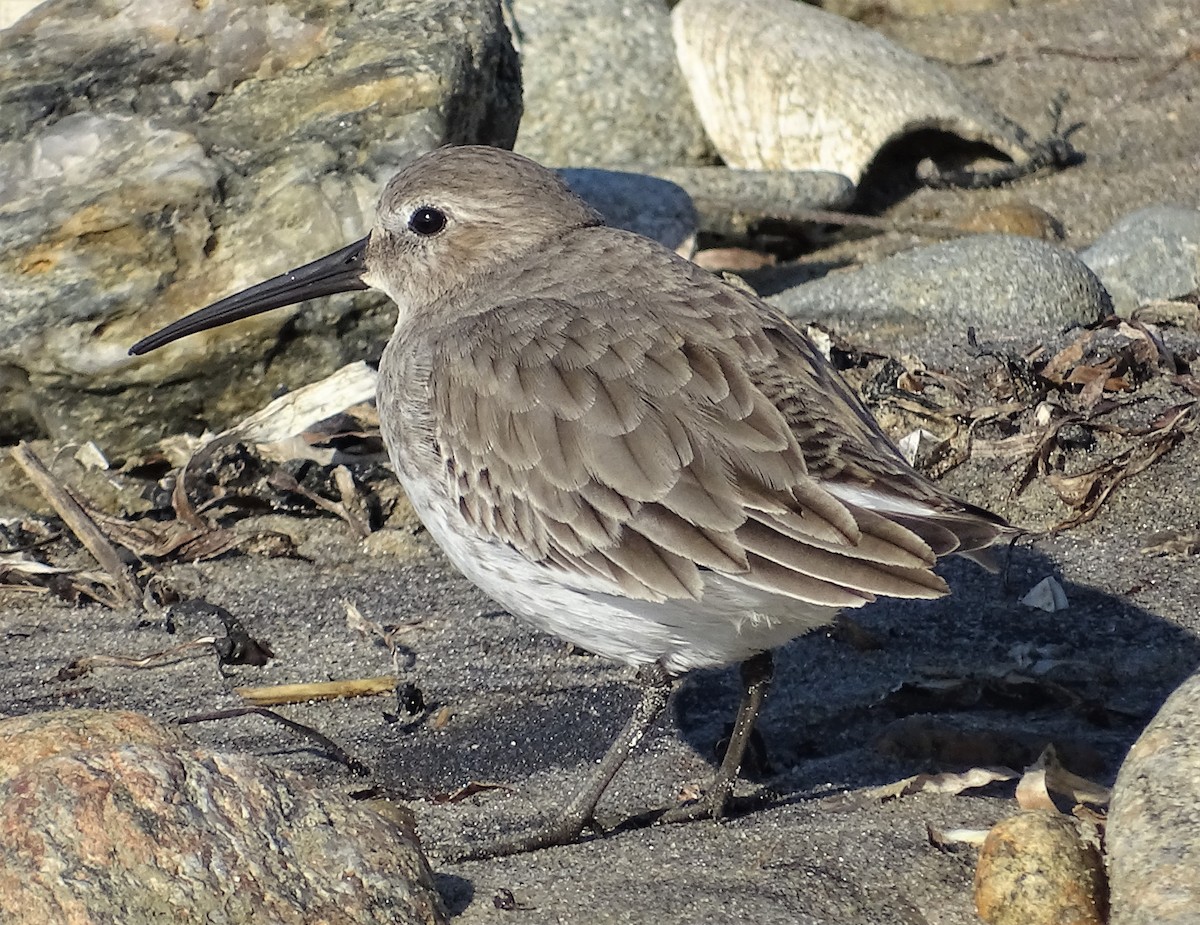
x=616, y=445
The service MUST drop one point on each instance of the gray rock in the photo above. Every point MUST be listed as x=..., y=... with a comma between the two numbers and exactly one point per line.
x=157, y=154
x=153, y=831
x=1154, y=819
x=649, y=206
x=602, y=86
x=1153, y=253
x=663, y=201
x=732, y=202
x=1003, y=285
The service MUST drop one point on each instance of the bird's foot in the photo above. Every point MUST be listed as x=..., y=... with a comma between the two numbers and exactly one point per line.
x=715, y=802
x=580, y=813
x=567, y=830
x=712, y=806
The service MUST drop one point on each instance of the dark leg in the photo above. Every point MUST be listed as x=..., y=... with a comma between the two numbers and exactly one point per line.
x=756, y=681
x=656, y=692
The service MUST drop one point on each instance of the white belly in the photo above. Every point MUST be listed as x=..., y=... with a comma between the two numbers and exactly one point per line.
x=729, y=624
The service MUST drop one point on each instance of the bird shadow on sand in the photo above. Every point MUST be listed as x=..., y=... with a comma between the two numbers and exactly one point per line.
x=977, y=678
x=973, y=679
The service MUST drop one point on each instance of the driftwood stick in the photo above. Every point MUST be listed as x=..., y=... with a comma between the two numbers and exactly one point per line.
x=76, y=518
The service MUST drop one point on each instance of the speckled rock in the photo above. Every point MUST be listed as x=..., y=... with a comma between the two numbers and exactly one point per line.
x=26, y=740
x=1002, y=285
x=1034, y=869
x=155, y=154
x=1153, y=834
x=1013, y=217
x=649, y=206
x=781, y=85
x=1153, y=253
x=153, y=833
x=602, y=86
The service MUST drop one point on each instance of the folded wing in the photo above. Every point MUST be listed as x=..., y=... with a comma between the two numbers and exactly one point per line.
x=646, y=442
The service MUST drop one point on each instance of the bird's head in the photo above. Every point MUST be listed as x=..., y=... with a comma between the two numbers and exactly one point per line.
x=446, y=219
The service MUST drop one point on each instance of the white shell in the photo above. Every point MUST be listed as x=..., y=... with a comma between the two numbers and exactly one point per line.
x=782, y=85
x=919, y=446
x=1047, y=595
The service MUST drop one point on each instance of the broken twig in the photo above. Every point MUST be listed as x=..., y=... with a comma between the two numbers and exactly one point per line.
x=123, y=582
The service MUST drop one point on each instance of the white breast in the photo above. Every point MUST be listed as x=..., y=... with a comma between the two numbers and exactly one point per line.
x=728, y=624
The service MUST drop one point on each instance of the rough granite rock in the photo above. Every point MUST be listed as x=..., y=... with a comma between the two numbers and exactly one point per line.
x=157, y=154
x=1002, y=285
x=150, y=832
x=602, y=86
x=1154, y=818
x=1153, y=253
x=26, y=740
x=1035, y=869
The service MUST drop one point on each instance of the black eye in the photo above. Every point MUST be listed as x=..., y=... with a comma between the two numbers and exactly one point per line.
x=427, y=221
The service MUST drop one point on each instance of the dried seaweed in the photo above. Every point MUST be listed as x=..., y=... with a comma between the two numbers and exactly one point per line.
x=335, y=751
x=1087, y=491
x=121, y=582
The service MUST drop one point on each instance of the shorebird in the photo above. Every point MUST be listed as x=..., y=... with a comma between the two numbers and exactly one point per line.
x=617, y=445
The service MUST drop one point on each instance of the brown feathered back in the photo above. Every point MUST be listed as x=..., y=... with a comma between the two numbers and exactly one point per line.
x=645, y=435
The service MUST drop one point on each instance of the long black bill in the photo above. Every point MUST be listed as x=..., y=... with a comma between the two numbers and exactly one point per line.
x=340, y=271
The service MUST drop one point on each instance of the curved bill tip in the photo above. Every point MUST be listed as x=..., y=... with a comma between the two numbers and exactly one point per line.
x=340, y=271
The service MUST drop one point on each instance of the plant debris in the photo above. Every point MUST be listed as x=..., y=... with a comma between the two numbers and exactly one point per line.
x=335, y=751
x=468, y=790
x=1172, y=543
x=123, y=587
x=389, y=636
x=278, y=694
x=948, y=783
x=1040, y=410
x=82, y=666
x=1047, y=776
x=236, y=647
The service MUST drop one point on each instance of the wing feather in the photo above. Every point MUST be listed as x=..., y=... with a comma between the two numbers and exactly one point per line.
x=849, y=571
x=718, y=550
x=660, y=435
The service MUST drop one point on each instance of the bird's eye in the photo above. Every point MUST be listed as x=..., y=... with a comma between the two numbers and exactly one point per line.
x=426, y=221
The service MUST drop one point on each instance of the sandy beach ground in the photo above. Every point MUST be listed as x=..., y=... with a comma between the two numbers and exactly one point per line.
x=511, y=707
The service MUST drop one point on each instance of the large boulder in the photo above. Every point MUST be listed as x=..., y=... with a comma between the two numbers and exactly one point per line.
x=157, y=154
